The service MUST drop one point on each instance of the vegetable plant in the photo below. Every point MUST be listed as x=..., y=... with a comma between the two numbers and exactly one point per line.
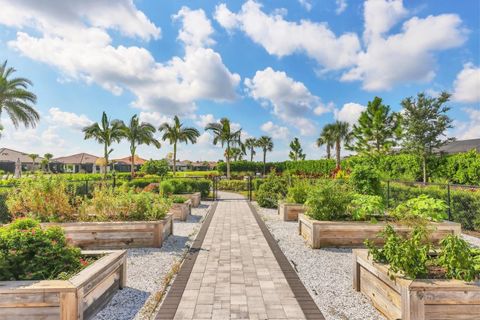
x=328, y=201
x=364, y=207
x=422, y=207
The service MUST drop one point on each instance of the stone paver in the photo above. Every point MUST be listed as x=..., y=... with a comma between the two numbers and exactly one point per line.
x=236, y=275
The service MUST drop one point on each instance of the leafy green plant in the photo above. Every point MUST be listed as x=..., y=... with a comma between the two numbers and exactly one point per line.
x=28, y=252
x=179, y=199
x=457, y=258
x=328, y=201
x=156, y=167
x=366, y=180
x=364, y=207
x=273, y=189
x=422, y=207
x=233, y=185
x=298, y=192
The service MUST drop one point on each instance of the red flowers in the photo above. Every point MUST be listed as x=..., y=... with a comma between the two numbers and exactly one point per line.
x=84, y=262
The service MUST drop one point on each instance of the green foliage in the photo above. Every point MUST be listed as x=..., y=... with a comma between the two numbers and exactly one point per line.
x=157, y=167
x=141, y=182
x=328, y=201
x=296, y=152
x=4, y=213
x=298, y=192
x=273, y=189
x=365, y=207
x=46, y=199
x=233, y=185
x=423, y=208
x=28, y=252
x=461, y=168
x=366, y=180
x=185, y=186
x=179, y=199
x=457, y=258
x=166, y=188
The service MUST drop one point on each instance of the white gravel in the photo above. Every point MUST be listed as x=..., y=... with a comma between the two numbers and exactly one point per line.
x=473, y=240
x=147, y=267
x=326, y=273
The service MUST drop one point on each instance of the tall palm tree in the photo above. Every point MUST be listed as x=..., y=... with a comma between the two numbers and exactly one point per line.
x=251, y=144
x=326, y=139
x=176, y=133
x=16, y=99
x=47, y=157
x=266, y=144
x=105, y=132
x=237, y=153
x=340, y=133
x=34, y=157
x=224, y=135
x=138, y=133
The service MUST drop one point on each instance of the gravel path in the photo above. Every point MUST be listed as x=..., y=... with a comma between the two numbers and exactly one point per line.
x=326, y=273
x=147, y=267
x=473, y=240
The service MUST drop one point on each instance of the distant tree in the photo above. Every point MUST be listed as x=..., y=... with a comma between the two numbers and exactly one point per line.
x=224, y=135
x=377, y=131
x=176, y=133
x=34, y=157
x=236, y=153
x=138, y=133
x=327, y=139
x=16, y=99
x=107, y=132
x=158, y=167
x=266, y=144
x=47, y=157
x=341, y=134
x=251, y=144
x=424, y=123
x=296, y=152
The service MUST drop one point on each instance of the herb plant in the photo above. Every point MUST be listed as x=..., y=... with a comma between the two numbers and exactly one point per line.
x=364, y=207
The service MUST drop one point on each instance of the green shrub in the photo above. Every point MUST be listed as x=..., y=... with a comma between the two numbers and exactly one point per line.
x=366, y=180
x=273, y=189
x=256, y=183
x=298, y=192
x=4, y=213
x=364, y=207
x=166, y=188
x=179, y=186
x=457, y=258
x=328, y=201
x=156, y=167
x=179, y=199
x=233, y=185
x=141, y=182
x=422, y=207
x=28, y=252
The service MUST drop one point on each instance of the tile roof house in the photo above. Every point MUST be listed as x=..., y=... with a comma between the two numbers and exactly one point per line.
x=123, y=164
x=460, y=146
x=8, y=158
x=75, y=163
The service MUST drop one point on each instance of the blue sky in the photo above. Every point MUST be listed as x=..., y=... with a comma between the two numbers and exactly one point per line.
x=279, y=68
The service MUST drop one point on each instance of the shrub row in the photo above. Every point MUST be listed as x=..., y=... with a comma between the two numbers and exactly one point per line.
x=178, y=186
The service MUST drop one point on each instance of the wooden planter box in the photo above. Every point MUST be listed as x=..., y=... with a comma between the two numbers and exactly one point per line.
x=180, y=211
x=195, y=198
x=116, y=235
x=414, y=299
x=290, y=211
x=81, y=297
x=320, y=234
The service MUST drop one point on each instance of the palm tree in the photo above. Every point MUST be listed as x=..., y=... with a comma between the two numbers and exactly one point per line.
x=224, y=135
x=326, y=138
x=251, y=144
x=138, y=133
x=340, y=132
x=34, y=157
x=47, y=157
x=237, y=153
x=266, y=144
x=15, y=98
x=106, y=132
x=175, y=133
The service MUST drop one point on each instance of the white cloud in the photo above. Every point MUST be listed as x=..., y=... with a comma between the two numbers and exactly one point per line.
x=68, y=119
x=154, y=118
x=407, y=56
x=341, y=6
x=350, y=112
x=205, y=139
x=84, y=52
x=281, y=37
x=196, y=28
x=274, y=130
x=204, y=119
x=471, y=128
x=324, y=108
x=292, y=102
x=307, y=4
x=380, y=16
x=467, y=85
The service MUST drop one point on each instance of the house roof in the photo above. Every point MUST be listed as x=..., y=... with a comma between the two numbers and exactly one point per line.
x=460, y=146
x=79, y=158
x=128, y=160
x=9, y=155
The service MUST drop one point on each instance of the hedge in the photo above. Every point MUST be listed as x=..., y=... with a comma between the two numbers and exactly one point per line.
x=233, y=185
x=179, y=186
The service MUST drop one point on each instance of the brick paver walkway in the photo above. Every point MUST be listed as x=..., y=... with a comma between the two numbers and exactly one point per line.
x=236, y=275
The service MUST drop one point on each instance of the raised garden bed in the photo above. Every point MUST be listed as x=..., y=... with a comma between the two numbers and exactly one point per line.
x=320, y=234
x=118, y=234
x=195, y=198
x=180, y=211
x=80, y=297
x=290, y=211
x=414, y=299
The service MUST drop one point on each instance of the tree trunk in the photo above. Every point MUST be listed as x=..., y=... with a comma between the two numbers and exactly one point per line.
x=328, y=152
x=424, y=165
x=174, y=158
x=132, y=161
x=337, y=149
x=264, y=161
x=106, y=162
x=227, y=156
x=251, y=155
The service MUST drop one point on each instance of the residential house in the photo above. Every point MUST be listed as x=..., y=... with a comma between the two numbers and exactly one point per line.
x=76, y=163
x=124, y=164
x=460, y=146
x=9, y=157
